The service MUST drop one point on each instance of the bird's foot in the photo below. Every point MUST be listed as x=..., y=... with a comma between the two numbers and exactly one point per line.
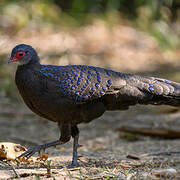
x=73, y=165
x=32, y=151
x=35, y=149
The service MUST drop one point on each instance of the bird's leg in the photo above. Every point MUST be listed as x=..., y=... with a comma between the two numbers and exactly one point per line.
x=75, y=155
x=35, y=149
x=75, y=135
x=65, y=130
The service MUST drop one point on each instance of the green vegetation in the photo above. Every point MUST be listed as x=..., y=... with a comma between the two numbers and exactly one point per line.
x=158, y=17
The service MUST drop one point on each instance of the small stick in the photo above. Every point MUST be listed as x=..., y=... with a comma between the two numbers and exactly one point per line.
x=161, y=153
x=11, y=167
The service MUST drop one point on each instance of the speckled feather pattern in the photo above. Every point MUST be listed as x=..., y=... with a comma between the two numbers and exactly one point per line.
x=80, y=83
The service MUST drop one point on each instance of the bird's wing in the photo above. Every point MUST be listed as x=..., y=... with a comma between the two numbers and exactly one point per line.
x=82, y=83
x=144, y=90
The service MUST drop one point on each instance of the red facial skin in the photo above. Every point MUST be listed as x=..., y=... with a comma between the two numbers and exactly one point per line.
x=18, y=56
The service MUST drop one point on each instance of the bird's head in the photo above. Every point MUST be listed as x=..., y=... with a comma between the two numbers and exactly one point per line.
x=23, y=54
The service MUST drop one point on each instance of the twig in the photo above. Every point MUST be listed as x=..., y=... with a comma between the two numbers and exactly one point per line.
x=150, y=131
x=17, y=175
x=130, y=156
x=11, y=167
x=161, y=153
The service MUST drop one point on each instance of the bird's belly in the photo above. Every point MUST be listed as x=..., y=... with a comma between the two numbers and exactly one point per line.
x=57, y=108
x=65, y=111
x=85, y=112
x=36, y=106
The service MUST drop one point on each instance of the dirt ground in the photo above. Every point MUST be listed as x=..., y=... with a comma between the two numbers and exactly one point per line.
x=106, y=153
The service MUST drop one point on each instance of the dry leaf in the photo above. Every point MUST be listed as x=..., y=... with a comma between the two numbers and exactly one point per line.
x=43, y=158
x=10, y=150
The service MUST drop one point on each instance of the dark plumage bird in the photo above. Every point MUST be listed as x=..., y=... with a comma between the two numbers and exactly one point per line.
x=70, y=95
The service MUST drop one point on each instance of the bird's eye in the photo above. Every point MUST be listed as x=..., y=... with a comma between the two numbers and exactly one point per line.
x=20, y=54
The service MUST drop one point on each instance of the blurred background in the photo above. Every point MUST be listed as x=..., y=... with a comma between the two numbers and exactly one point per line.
x=134, y=36
x=125, y=35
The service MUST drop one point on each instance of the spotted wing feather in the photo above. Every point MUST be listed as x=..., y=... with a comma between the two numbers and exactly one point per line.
x=82, y=83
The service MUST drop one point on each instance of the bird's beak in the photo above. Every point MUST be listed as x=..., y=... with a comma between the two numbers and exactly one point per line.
x=14, y=59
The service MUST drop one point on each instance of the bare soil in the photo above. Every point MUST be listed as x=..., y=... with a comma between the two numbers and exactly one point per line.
x=104, y=152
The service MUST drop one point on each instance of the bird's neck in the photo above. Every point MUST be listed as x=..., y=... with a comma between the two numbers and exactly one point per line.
x=30, y=64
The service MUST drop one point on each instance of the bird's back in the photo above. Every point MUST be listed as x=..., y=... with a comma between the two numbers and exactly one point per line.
x=116, y=90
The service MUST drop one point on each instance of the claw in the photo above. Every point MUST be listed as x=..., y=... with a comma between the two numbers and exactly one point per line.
x=31, y=152
x=41, y=152
x=79, y=145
